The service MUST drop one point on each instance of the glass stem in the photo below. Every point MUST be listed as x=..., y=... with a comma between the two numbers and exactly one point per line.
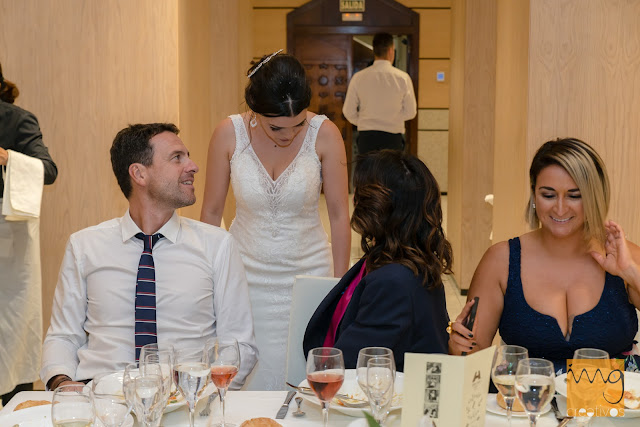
x=533, y=419
x=192, y=413
x=221, y=393
x=508, y=401
x=325, y=414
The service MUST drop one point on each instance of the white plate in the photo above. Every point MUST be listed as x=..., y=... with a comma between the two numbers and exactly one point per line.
x=40, y=416
x=113, y=384
x=631, y=382
x=351, y=387
x=494, y=408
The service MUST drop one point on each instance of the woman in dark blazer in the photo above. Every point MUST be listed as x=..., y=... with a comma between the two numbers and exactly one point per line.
x=394, y=296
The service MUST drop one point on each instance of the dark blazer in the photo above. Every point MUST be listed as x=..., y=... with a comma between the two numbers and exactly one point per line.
x=389, y=308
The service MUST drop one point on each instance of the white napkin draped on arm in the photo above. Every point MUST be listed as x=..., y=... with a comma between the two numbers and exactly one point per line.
x=23, y=185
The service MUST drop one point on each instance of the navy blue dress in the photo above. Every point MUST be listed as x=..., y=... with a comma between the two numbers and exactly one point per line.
x=611, y=325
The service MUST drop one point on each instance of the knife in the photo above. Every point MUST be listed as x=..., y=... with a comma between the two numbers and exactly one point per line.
x=282, y=412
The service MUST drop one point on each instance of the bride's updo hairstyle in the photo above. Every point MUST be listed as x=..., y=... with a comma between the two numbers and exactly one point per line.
x=278, y=86
x=397, y=211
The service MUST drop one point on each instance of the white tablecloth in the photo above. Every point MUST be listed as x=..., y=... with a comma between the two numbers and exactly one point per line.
x=243, y=405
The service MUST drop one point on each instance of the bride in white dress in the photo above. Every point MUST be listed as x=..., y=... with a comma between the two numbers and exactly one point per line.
x=277, y=157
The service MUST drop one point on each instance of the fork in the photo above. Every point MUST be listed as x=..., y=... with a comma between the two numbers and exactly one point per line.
x=207, y=409
x=561, y=418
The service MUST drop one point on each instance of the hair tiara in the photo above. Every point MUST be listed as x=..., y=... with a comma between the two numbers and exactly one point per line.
x=267, y=59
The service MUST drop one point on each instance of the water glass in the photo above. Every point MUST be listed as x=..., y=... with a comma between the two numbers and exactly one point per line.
x=110, y=404
x=588, y=359
x=159, y=361
x=503, y=372
x=361, y=367
x=224, y=359
x=325, y=374
x=191, y=372
x=72, y=406
x=535, y=386
x=147, y=399
x=380, y=380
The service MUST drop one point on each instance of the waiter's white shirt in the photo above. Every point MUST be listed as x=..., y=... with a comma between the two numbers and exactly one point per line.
x=201, y=292
x=380, y=97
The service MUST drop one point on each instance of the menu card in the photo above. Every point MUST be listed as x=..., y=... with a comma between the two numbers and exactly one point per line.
x=452, y=390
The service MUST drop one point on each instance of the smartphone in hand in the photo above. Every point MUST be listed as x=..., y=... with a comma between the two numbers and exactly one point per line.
x=471, y=318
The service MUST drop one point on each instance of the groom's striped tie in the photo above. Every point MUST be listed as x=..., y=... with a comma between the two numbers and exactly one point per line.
x=145, y=332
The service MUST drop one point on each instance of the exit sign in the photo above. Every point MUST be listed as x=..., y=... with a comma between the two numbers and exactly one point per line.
x=351, y=5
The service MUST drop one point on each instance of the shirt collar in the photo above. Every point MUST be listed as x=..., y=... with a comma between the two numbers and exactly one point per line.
x=382, y=63
x=169, y=230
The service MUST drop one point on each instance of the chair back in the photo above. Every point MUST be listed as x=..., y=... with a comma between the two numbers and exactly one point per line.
x=308, y=292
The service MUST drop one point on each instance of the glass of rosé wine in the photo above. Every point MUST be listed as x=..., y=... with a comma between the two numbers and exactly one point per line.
x=325, y=375
x=224, y=359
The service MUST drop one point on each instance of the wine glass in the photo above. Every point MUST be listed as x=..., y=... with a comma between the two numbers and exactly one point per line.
x=325, y=374
x=191, y=373
x=224, y=359
x=131, y=371
x=361, y=367
x=155, y=360
x=109, y=401
x=535, y=386
x=147, y=397
x=503, y=372
x=72, y=405
x=380, y=380
x=588, y=359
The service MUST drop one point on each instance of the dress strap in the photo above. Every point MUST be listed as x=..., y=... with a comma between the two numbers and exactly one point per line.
x=242, y=137
x=312, y=132
x=514, y=280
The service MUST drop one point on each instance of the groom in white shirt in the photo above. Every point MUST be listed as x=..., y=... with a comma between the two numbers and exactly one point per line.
x=200, y=285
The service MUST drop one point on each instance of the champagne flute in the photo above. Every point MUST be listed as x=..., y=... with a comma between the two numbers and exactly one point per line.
x=191, y=373
x=503, y=372
x=147, y=395
x=111, y=406
x=535, y=386
x=224, y=359
x=325, y=374
x=588, y=359
x=380, y=379
x=361, y=367
x=72, y=406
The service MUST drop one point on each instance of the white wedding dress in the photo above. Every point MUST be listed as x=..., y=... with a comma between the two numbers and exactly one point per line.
x=279, y=234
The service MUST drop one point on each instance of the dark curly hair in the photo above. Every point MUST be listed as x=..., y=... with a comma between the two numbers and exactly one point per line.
x=279, y=88
x=8, y=90
x=131, y=145
x=397, y=212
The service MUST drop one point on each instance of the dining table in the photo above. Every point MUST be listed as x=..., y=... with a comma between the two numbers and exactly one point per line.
x=244, y=405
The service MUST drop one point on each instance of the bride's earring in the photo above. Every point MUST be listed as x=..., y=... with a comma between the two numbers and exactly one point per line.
x=254, y=121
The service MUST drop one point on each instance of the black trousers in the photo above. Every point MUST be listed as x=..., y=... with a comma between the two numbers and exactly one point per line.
x=373, y=140
x=20, y=387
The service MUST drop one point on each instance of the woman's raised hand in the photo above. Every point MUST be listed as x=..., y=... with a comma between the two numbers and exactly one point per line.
x=617, y=260
x=462, y=339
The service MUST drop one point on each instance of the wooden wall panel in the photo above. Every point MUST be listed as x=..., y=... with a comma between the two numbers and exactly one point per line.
x=269, y=31
x=510, y=179
x=426, y=3
x=435, y=33
x=86, y=70
x=431, y=93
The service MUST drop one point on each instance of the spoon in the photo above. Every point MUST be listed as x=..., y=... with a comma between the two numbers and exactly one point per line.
x=298, y=412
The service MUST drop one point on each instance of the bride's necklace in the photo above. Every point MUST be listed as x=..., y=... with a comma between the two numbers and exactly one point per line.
x=254, y=122
x=282, y=145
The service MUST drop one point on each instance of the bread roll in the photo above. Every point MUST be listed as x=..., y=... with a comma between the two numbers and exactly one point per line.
x=30, y=404
x=517, y=406
x=261, y=422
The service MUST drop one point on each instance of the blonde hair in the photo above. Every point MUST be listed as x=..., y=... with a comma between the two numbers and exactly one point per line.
x=587, y=170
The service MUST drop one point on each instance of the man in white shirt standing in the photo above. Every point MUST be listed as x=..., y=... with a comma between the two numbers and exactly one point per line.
x=199, y=284
x=380, y=99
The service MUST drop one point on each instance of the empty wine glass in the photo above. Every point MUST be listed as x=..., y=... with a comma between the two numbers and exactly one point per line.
x=503, y=372
x=588, y=360
x=361, y=367
x=535, y=386
x=72, y=406
x=159, y=360
x=380, y=380
x=109, y=401
x=325, y=374
x=147, y=397
x=191, y=373
x=131, y=371
x=224, y=359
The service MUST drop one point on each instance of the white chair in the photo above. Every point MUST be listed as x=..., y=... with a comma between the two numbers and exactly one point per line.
x=308, y=292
